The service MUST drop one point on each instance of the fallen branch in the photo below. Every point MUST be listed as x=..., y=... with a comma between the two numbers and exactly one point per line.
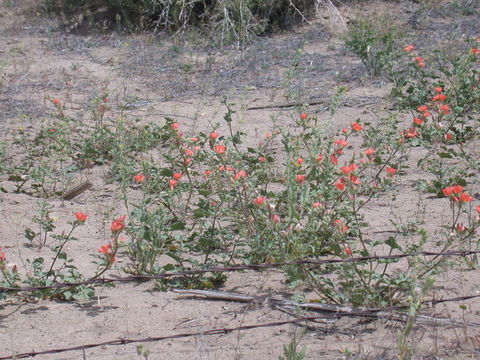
x=290, y=105
x=330, y=310
x=357, y=101
x=77, y=190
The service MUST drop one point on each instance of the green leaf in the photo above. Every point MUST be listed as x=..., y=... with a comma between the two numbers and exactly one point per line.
x=200, y=213
x=392, y=242
x=459, y=181
x=178, y=226
x=445, y=155
x=15, y=178
x=30, y=234
x=166, y=172
x=204, y=193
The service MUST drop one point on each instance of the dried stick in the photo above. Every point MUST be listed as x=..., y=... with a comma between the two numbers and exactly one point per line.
x=328, y=309
x=77, y=190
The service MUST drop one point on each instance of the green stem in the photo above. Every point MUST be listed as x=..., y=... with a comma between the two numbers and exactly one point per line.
x=112, y=256
x=49, y=272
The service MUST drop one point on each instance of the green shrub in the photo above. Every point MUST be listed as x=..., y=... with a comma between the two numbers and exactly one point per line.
x=375, y=42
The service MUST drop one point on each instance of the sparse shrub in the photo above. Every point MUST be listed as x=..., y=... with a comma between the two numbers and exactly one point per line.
x=226, y=21
x=375, y=41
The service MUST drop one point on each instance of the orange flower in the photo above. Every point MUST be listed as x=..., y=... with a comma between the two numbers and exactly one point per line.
x=108, y=252
x=444, y=109
x=118, y=224
x=426, y=114
x=369, y=152
x=262, y=159
x=3, y=257
x=457, y=189
x=260, y=200
x=411, y=133
x=188, y=152
x=347, y=251
x=300, y=178
x=177, y=176
x=422, y=108
x=299, y=161
x=356, y=127
x=354, y=179
x=81, y=217
x=316, y=205
x=417, y=121
x=194, y=139
x=448, y=137
x=139, y=178
x=464, y=197
x=347, y=169
x=275, y=218
x=213, y=135
x=172, y=183
x=174, y=126
x=303, y=116
x=439, y=98
x=447, y=191
x=206, y=173
x=344, y=130
x=474, y=51
x=438, y=90
x=390, y=171
x=419, y=61
x=319, y=158
x=56, y=101
x=340, y=142
x=240, y=174
x=408, y=48
x=105, y=249
x=219, y=149
x=340, y=185
x=477, y=209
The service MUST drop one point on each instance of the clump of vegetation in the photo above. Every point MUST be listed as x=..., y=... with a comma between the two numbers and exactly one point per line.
x=225, y=20
x=375, y=42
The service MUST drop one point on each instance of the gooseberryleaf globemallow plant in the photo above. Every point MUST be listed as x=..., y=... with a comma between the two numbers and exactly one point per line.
x=215, y=201
x=61, y=268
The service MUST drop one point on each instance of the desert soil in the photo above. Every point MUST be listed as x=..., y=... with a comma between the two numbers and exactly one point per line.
x=158, y=78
